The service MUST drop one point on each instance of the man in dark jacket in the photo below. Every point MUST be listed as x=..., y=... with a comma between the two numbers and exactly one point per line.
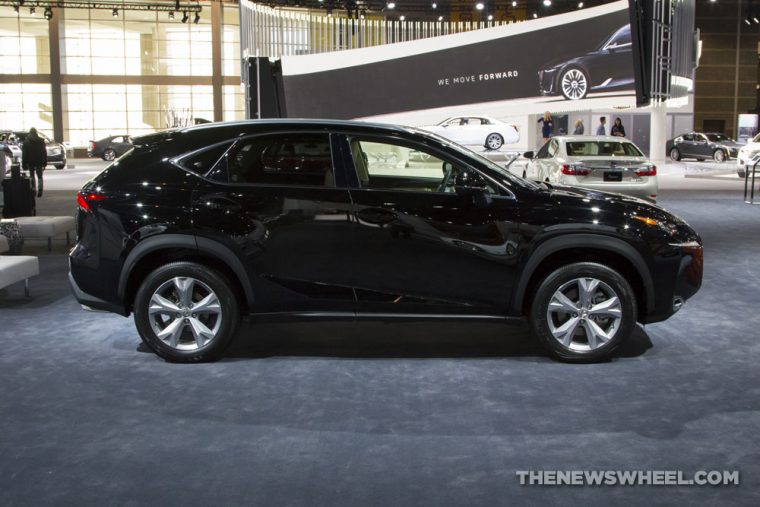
x=34, y=158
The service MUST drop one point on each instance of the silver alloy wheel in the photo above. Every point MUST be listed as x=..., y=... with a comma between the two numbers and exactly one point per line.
x=584, y=314
x=675, y=154
x=109, y=155
x=719, y=156
x=574, y=84
x=494, y=141
x=185, y=313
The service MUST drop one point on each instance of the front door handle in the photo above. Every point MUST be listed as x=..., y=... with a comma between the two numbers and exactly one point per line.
x=218, y=202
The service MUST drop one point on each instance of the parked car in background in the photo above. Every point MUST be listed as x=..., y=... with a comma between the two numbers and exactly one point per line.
x=195, y=228
x=607, y=163
x=9, y=140
x=701, y=146
x=476, y=131
x=56, y=152
x=746, y=154
x=110, y=148
x=604, y=69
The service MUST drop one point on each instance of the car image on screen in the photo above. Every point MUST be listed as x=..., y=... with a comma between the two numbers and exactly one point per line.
x=609, y=67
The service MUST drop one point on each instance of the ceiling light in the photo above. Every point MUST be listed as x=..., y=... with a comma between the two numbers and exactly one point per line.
x=115, y=13
x=479, y=6
x=580, y=5
x=746, y=20
x=329, y=12
x=363, y=14
x=547, y=3
x=440, y=18
x=402, y=17
x=434, y=5
x=171, y=14
x=535, y=15
x=185, y=17
x=490, y=17
x=391, y=5
x=514, y=4
x=754, y=18
x=197, y=18
x=48, y=13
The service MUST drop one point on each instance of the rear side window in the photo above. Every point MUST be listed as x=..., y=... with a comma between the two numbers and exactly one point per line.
x=282, y=159
x=201, y=162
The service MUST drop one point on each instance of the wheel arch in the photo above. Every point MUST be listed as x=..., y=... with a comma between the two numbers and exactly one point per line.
x=561, y=251
x=154, y=252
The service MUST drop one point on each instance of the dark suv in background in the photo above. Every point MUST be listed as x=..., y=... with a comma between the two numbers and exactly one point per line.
x=326, y=219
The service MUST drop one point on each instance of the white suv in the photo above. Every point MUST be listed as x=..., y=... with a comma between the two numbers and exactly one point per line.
x=746, y=153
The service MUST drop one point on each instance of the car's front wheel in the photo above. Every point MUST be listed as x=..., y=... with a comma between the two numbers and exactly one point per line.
x=583, y=311
x=186, y=312
x=675, y=154
x=574, y=84
x=494, y=141
x=719, y=156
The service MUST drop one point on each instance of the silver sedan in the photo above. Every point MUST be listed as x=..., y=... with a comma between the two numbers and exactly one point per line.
x=611, y=164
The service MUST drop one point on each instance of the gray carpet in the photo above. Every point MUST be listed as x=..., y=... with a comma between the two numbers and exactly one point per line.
x=365, y=414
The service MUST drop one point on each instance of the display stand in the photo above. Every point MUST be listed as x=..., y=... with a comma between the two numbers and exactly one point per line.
x=749, y=187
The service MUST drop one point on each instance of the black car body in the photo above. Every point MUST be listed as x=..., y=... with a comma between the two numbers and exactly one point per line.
x=110, y=148
x=702, y=146
x=607, y=68
x=342, y=220
x=56, y=152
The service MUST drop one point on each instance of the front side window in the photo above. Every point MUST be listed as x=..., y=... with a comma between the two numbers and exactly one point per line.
x=390, y=165
x=543, y=152
x=282, y=159
x=552, y=148
x=621, y=38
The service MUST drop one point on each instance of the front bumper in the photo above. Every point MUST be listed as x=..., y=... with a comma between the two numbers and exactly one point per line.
x=546, y=82
x=688, y=280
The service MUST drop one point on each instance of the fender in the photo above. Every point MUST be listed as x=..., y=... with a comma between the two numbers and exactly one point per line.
x=554, y=245
x=201, y=245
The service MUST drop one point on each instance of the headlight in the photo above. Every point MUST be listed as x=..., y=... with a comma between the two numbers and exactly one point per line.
x=668, y=227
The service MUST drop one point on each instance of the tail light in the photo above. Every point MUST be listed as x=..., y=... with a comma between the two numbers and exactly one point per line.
x=572, y=170
x=515, y=127
x=85, y=199
x=92, y=145
x=647, y=171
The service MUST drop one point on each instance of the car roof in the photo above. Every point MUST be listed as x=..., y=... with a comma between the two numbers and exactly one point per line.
x=592, y=138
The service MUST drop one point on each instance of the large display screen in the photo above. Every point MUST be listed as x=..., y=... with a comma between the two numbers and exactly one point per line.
x=576, y=61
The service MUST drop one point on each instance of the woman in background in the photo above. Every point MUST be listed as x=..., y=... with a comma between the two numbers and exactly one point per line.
x=578, y=128
x=617, y=128
x=546, y=126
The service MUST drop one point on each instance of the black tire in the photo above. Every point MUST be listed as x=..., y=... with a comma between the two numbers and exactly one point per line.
x=60, y=166
x=109, y=155
x=700, y=160
x=183, y=351
x=566, y=276
x=741, y=173
x=675, y=154
x=719, y=156
x=494, y=141
x=573, y=83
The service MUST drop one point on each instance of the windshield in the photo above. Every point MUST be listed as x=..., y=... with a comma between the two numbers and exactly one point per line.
x=602, y=149
x=717, y=138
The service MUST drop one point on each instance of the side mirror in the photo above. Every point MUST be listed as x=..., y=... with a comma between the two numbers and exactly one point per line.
x=529, y=155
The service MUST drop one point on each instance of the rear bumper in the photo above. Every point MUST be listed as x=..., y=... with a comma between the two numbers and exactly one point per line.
x=91, y=302
x=644, y=190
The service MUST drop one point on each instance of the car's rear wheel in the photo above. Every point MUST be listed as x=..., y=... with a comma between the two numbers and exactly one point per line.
x=719, y=156
x=109, y=155
x=583, y=312
x=574, y=84
x=675, y=154
x=186, y=312
x=494, y=141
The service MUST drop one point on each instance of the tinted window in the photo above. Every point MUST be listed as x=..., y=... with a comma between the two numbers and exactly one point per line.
x=602, y=149
x=287, y=159
x=398, y=166
x=621, y=37
x=552, y=148
x=717, y=138
x=543, y=152
x=201, y=162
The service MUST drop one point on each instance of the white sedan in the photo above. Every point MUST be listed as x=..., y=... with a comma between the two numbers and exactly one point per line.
x=610, y=164
x=476, y=131
x=747, y=153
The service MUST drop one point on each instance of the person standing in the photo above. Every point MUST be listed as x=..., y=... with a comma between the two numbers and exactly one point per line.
x=601, y=130
x=34, y=158
x=617, y=128
x=578, y=128
x=546, y=126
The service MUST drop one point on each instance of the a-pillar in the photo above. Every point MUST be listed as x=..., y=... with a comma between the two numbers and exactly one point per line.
x=657, y=132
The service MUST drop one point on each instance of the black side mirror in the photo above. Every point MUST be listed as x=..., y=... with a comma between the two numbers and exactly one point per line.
x=529, y=155
x=471, y=184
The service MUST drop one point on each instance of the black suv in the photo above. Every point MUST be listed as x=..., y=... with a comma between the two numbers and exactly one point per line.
x=326, y=219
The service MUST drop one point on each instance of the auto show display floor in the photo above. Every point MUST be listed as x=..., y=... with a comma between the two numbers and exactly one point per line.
x=365, y=414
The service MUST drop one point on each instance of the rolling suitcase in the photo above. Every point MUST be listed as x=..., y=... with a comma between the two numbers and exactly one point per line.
x=19, y=198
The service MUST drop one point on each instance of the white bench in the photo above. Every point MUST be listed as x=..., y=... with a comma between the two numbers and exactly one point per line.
x=46, y=227
x=17, y=268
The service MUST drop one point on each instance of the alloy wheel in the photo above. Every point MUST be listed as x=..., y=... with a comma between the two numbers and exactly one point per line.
x=675, y=154
x=719, y=156
x=494, y=141
x=584, y=314
x=185, y=313
x=574, y=84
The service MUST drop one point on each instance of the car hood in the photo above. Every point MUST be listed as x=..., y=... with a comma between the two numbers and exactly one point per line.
x=560, y=62
x=583, y=197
